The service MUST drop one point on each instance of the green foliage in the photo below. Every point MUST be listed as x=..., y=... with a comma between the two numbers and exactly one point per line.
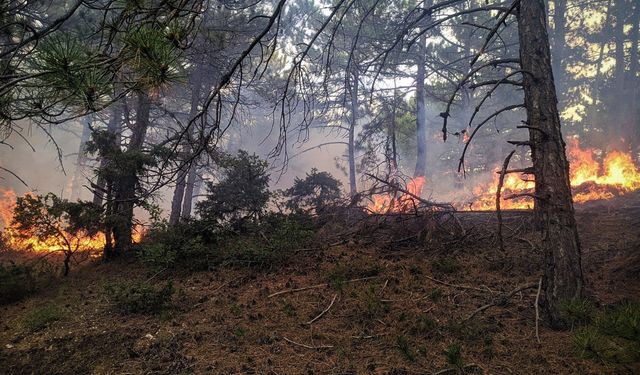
x=613, y=336
x=42, y=317
x=403, y=346
x=70, y=68
x=16, y=282
x=240, y=195
x=139, y=297
x=153, y=57
x=50, y=218
x=176, y=247
x=436, y=294
x=453, y=356
x=578, y=311
x=317, y=192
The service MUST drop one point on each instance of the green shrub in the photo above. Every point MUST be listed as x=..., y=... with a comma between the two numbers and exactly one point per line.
x=403, y=346
x=424, y=325
x=453, y=356
x=612, y=336
x=16, y=282
x=40, y=318
x=621, y=320
x=578, y=311
x=139, y=297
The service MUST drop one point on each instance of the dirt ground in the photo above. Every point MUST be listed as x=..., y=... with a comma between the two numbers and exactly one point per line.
x=377, y=306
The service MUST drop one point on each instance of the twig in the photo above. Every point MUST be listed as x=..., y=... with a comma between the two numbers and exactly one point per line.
x=323, y=311
x=455, y=285
x=505, y=166
x=307, y=346
x=538, y=311
x=316, y=286
x=501, y=300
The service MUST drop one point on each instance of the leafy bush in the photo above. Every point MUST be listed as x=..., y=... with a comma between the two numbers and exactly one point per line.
x=578, y=311
x=317, y=192
x=175, y=247
x=612, y=336
x=139, y=297
x=16, y=282
x=453, y=355
x=40, y=318
x=240, y=195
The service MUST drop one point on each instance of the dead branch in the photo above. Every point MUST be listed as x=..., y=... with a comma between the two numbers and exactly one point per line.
x=498, y=194
x=323, y=311
x=455, y=285
x=307, y=346
x=317, y=286
x=501, y=300
x=405, y=191
x=538, y=310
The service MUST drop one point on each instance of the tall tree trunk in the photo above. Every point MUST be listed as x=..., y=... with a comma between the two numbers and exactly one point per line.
x=353, y=190
x=81, y=160
x=125, y=196
x=618, y=96
x=114, y=126
x=178, y=193
x=189, y=192
x=633, y=127
x=421, y=111
x=562, y=270
x=558, y=44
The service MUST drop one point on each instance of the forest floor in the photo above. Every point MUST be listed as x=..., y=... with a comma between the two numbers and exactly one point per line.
x=376, y=307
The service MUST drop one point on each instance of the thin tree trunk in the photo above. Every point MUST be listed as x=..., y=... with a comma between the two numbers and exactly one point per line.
x=190, y=190
x=126, y=193
x=81, y=160
x=353, y=190
x=421, y=112
x=179, y=191
x=114, y=127
x=562, y=270
x=618, y=95
x=633, y=124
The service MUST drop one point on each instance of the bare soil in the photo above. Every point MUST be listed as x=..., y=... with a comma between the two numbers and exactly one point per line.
x=407, y=305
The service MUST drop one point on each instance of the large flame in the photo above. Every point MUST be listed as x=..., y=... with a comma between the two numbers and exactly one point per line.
x=590, y=180
x=398, y=201
x=18, y=239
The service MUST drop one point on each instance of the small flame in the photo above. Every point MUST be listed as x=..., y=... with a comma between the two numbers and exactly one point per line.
x=398, y=202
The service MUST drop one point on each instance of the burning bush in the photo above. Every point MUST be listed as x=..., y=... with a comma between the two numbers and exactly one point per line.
x=51, y=223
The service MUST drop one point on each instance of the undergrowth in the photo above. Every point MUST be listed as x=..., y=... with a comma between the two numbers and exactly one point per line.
x=611, y=335
x=139, y=297
x=41, y=318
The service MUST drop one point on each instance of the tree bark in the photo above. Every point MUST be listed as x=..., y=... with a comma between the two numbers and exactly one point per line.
x=421, y=111
x=114, y=127
x=558, y=43
x=125, y=196
x=81, y=160
x=179, y=191
x=189, y=192
x=353, y=190
x=562, y=270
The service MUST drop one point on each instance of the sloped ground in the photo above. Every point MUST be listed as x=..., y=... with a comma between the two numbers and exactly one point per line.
x=389, y=306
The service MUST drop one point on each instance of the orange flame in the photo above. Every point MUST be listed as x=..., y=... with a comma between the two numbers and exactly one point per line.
x=18, y=239
x=399, y=201
x=590, y=180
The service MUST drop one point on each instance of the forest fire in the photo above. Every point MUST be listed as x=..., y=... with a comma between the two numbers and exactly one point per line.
x=397, y=201
x=617, y=174
x=590, y=180
x=15, y=238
